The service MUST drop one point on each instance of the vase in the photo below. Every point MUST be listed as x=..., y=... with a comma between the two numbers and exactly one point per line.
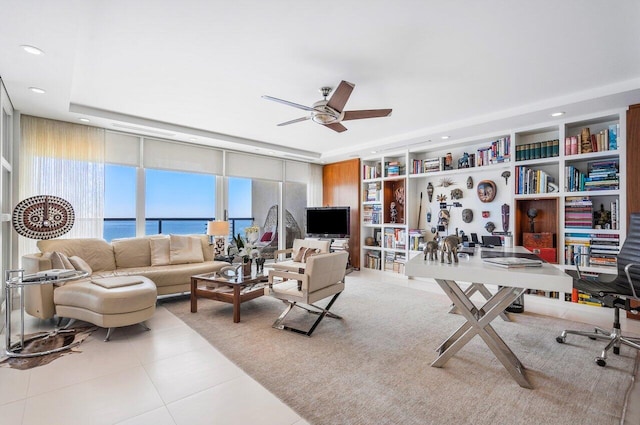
x=246, y=268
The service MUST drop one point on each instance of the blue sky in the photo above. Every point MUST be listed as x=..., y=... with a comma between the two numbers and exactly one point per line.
x=172, y=194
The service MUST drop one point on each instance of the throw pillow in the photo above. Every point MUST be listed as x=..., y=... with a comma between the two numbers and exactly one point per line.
x=309, y=252
x=79, y=264
x=300, y=254
x=60, y=261
x=159, y=251
x=185, y=249
x=266, y=237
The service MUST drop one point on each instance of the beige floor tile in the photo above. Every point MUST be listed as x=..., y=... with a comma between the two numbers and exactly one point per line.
x=159, y=416
x=238, y=402
x=93, y=359
x=191, y=372
x=11, y=413
x=104, y=400
x=14, y=384
x=165, y=343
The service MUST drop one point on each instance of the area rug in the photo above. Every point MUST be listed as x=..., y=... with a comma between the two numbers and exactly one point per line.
x=373, y=367
x=45, y=341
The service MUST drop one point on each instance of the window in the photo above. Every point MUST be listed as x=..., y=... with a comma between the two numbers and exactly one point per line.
x=119, y=202
x=178, y=202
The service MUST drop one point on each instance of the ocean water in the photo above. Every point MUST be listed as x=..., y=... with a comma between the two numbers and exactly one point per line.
x=114, y=229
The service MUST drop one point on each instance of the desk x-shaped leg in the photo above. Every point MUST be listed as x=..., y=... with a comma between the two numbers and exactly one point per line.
x=479, y=287
x=479, y=323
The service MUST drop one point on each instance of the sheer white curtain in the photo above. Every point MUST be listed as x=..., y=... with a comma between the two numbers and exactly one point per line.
x=65, y=160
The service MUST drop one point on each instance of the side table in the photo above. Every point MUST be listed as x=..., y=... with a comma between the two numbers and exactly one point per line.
x=16, y=279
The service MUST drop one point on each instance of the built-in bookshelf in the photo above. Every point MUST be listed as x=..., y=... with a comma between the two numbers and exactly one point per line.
x=570, y=171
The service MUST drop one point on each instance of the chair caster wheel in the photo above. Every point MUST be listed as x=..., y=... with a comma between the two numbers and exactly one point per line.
x=601, y=362
x=560, y=339
x=592, y=338
x=616, y=350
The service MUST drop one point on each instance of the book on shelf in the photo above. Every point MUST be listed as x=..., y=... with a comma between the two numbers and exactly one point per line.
x=372, y=214
x=371, y=171
x=585, y=142
x=538, y=150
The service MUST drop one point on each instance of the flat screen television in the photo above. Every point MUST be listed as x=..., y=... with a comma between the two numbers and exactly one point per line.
x=328, y=222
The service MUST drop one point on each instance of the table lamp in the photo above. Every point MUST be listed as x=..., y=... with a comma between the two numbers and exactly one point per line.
x=219, y=230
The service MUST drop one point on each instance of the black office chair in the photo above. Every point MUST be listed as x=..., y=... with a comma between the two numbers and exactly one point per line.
x=614, y=291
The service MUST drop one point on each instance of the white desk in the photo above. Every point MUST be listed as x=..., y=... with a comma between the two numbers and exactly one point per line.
x=513, y=282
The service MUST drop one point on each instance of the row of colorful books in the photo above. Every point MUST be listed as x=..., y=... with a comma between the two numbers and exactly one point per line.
x=586, y=142
x=372, y=214
x=530, y=180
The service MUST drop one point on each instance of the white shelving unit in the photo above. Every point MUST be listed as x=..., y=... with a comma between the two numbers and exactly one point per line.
x=549, y=164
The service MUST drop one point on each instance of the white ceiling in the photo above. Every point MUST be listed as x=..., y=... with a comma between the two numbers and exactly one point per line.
x=193, y=69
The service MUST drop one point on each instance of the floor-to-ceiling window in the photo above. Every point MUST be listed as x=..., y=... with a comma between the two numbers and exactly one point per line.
x=119, y=202
x=178, y=202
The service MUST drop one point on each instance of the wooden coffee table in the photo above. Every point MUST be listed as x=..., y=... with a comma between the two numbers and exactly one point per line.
x=234, y=290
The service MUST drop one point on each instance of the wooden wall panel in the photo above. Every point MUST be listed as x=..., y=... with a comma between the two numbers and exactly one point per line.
x=341, y=187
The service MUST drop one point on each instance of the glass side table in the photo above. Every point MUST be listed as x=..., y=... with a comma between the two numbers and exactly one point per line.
x=16, y=279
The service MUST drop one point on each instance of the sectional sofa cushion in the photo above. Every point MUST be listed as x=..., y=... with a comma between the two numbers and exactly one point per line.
x=60, y=261
x=132, y=252
x=159, y=251
x=185, y=249
x=79, y=264
x=96, y=252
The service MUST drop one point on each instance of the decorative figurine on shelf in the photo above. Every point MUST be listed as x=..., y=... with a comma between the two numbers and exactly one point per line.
x=431, y=251
x=505, y=217
x=490, y=227
x=448, y=161
x=463, y=162
x=532, y=213
x=449, y=249
x=467, y=215
x=443, y=218
x=469, y=182
x=430, y=191
x=393, y=212
x=506, y=175
x=486, y=191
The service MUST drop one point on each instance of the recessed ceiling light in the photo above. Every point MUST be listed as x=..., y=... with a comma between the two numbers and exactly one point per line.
x=445, y=137
x=374, y=151
x=84, y=119
x=272, y=153
x=557, y=114
x=32, y=49
x=37, y=90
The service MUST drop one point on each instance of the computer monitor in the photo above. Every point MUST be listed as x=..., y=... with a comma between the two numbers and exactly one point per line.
x=492, y=240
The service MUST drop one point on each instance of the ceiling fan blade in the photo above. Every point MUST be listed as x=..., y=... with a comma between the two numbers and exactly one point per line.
x=336, y=126
x=294, y=121
x=366, y=113
x=341, y=95
x=286, y=102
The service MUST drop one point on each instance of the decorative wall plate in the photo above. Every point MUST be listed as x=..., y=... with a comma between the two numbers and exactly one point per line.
x=486, y=190
x=43, y=217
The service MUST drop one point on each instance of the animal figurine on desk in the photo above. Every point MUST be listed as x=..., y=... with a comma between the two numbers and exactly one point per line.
x=431, y=250
x=449, y=249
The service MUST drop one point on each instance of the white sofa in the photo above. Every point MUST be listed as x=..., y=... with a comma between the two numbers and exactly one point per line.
x=156, y=258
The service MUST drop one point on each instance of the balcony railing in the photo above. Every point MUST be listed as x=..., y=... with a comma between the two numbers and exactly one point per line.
x=126, y=227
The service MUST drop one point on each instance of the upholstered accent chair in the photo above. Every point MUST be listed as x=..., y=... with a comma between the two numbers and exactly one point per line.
x=322, y=278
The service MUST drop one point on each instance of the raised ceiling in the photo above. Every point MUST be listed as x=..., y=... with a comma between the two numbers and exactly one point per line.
x=196, y=70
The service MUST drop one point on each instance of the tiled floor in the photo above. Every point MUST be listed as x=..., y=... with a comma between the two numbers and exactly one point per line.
x=171, y=375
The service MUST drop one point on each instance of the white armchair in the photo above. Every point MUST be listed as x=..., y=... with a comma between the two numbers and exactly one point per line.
x=323, y=277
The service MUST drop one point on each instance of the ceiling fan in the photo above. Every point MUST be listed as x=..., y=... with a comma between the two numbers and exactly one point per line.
x=331, y=112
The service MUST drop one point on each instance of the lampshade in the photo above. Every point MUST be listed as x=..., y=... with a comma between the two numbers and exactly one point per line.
x=217, y=228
